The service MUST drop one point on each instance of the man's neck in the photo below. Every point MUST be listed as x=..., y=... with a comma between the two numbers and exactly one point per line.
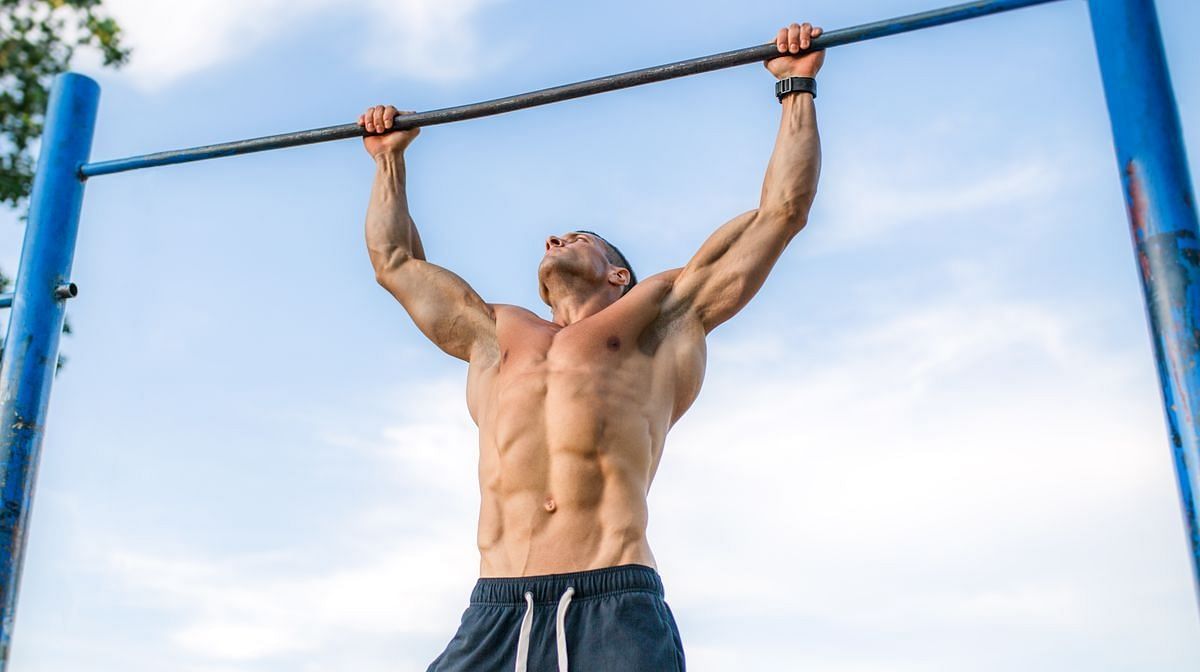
x=570, y=308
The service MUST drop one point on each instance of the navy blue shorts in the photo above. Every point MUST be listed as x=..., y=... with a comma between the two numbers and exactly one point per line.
x=613, y=620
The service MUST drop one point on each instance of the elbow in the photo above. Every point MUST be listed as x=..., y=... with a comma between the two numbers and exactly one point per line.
x=791, y=216
x=387, y=263
x=788, y=207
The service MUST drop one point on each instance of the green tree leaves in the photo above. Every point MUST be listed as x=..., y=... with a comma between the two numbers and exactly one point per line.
x=38, y=39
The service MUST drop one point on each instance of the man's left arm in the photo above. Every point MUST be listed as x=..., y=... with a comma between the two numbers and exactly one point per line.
x=733, y=263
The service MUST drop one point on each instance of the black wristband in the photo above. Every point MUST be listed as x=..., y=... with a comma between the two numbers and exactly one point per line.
x=789, y=85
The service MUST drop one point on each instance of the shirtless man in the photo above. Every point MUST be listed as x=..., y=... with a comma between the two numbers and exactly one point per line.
x=573, y=413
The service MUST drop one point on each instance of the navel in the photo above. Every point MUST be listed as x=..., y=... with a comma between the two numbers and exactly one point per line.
x=614, y=343
x=549, y=505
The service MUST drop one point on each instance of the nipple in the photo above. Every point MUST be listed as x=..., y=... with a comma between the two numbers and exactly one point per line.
x=549, y=505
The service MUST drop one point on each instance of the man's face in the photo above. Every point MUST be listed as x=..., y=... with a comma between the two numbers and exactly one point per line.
x=575, y=253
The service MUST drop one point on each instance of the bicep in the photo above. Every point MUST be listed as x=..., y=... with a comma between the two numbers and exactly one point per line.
x=731, y=267
x=444, y=307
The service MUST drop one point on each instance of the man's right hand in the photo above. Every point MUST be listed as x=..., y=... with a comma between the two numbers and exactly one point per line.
x=378, y=121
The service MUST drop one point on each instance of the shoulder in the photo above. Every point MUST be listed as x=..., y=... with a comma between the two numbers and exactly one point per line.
x=659, y=281
x=660, y=289
x=653, y=289
x=515, y=322
x=669, y=321
x=507, y=311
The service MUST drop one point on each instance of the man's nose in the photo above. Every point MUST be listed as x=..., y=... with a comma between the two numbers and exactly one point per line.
x=553, y=241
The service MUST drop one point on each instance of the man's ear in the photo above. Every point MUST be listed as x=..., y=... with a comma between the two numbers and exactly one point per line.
x=618, y=276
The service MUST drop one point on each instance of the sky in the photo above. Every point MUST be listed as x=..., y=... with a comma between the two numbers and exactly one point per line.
x=933, y=441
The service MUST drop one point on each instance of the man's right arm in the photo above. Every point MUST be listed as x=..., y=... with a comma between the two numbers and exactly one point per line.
x=444, y=307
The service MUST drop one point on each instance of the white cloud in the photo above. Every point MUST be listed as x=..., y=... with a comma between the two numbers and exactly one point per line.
x=873, y=201
x=425, y=39
x=239, y=610
x=949, y=470
x=431, y=39
x=394, y=578
x=238, y=642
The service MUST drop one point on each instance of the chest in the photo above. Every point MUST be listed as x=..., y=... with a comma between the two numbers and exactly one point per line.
x=603, y=364
x=600, y=345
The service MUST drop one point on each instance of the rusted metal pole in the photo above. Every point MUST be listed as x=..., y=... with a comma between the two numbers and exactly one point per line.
x=1162, y=217
x=31, y=348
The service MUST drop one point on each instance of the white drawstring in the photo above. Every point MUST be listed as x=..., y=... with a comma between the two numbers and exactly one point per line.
x=563, y=603
x=527, y=628
x=523, y=639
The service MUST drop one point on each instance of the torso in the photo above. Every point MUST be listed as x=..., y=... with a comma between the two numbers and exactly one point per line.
x=572, y=422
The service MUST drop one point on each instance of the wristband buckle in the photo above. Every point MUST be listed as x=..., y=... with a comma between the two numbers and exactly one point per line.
x=790, y=85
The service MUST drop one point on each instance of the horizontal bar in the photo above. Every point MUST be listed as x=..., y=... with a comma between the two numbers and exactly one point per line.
x=729, y=59
x=6, y=300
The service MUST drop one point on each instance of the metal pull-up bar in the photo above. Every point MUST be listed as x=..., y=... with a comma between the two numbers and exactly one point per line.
x=625, y=80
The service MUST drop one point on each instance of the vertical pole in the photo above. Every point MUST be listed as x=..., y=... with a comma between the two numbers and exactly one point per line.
x=31, y=351
x=1162, y=216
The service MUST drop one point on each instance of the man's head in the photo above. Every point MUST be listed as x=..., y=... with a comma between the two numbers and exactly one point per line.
x=584, y=260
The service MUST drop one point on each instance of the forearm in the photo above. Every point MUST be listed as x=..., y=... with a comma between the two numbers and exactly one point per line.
x=791, y=181
x=392, y=236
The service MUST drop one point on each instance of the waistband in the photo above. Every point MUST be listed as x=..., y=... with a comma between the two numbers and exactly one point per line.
x=550, y=587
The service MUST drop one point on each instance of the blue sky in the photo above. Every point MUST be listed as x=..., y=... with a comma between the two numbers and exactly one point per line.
x=934, y=440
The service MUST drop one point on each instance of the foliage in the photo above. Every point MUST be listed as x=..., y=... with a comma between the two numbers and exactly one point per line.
x=38, y=39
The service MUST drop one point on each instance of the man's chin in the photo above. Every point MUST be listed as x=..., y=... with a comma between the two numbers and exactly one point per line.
x=549, y=264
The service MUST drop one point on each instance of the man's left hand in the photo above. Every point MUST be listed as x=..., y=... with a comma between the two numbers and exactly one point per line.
x=792, y=40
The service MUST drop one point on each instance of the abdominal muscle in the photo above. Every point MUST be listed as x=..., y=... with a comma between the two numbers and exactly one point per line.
x=567, y=454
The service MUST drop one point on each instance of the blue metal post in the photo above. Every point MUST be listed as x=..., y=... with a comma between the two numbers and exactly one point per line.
x=31, y=350
x=1162, y=216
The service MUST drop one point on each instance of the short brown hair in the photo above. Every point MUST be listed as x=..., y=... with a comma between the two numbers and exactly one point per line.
x=615, y=257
